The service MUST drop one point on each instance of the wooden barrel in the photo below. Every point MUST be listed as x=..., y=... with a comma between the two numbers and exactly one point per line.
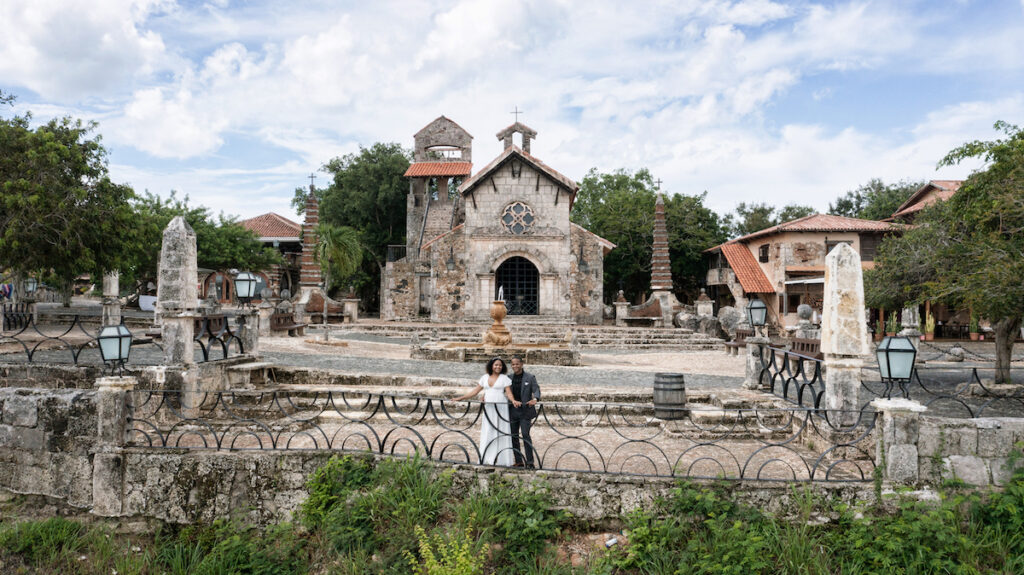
x=669, y=396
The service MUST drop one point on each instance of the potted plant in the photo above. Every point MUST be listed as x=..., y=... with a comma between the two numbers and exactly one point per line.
x=973, y=329
x=892, y=325
x=929, y=327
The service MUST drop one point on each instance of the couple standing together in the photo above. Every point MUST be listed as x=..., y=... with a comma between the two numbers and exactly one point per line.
x=510, y=406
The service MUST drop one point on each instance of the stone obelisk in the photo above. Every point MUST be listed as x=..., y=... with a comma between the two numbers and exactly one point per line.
x=844, y=333
x=177, y=293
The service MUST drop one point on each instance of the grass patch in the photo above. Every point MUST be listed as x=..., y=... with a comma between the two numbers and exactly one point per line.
x=400, y=516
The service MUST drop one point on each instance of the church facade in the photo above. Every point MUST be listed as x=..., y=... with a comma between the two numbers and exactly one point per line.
x=501, y=232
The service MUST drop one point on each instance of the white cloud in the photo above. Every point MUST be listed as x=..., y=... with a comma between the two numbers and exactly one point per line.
x=66, y=50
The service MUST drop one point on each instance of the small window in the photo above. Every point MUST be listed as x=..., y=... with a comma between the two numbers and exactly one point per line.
x=763, y=251
x=794, y=302
x=830, y=244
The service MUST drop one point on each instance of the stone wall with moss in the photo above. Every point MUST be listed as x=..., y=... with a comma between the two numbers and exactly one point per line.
x=586, y=281
x=451, y=296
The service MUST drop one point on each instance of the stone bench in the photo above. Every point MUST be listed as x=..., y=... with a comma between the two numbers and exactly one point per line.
x=285, y=322
x=739, y=341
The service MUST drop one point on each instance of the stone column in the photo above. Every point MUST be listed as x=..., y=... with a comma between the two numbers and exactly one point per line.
x=911, y=323
x=621, y=309
x=755, y=350
x=897, y=436
x=112, y=428
x=844, y=333
x=705, y=307
x=265, y=310
x=351, y=309
x=177, y=293
x=111, y=301
x=309, y=274
x=247, y=330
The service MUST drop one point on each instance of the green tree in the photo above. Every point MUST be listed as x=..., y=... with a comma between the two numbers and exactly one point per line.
x=368, y=193
x=969, y=250
x=221, y=242
x=339, y=251
x=619, y=206
x=874, y=200
x=60, y=214
x=750, y=218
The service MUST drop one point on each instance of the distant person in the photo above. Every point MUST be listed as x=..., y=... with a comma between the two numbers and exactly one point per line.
x=495, y=440
x=522, y=412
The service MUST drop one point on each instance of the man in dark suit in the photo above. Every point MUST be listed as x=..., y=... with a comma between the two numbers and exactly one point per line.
x=526, y=391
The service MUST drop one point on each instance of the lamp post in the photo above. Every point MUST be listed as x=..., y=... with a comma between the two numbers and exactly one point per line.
x=30, y=286
x=896, y=356
x=757, y=313
x=115, y=346
x=245, y=287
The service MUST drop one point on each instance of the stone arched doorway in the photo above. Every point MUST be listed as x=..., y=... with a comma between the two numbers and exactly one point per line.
x=521, y=282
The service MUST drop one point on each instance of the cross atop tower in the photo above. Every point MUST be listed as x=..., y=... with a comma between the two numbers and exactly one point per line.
x=517, y=111
x=657, y=184
x=312, y=176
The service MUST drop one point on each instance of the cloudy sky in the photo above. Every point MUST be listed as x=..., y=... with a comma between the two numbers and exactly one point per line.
x=235, y=103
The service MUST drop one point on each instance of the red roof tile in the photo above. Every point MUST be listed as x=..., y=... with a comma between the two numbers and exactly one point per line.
x=271, y=225
x=426, y=169
x=822, y=223
x=747, y=271
x=944, y=189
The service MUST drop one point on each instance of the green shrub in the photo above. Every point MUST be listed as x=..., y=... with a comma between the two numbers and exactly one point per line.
x=231, y=547
x=331, y=484
x=455, y=554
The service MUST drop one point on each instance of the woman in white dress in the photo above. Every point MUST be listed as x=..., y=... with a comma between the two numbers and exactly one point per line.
x=495, y=439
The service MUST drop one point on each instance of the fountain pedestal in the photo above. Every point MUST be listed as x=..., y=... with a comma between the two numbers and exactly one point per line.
x=497, y=335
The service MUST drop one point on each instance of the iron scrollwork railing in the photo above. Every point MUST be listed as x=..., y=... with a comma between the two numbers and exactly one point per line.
x=957, y=392
x=794, y=377
x=215, y=330
x=51, y=343
x=745, y=444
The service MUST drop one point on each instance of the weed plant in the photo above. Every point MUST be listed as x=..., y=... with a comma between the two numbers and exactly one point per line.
x=402, y=516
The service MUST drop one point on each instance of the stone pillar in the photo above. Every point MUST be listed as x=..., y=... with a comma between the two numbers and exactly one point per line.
x=805, y=329
x=911, y=324
x=265, y=310
x=705, y=307
x=111, y=299
x=755, y=350
x=248, y=327
x=897, y=436
x=177, y=292
x=621, y=309
x=351, y=309
x=112, y=428
x=844, y=333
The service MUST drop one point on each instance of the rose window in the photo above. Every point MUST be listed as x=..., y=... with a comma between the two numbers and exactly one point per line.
x=518, y=218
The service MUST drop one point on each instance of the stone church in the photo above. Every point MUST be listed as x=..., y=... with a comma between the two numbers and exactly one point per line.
x=503, y=230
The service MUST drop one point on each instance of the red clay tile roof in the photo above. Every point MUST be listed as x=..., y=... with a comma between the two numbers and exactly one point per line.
x=822, y=223
x=944, y=189
x=567, y=183
x=271, y=225
x=747, y=271
x=424, y=169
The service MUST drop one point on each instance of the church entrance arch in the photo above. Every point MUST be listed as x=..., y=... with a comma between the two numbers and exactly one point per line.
x=521, y=282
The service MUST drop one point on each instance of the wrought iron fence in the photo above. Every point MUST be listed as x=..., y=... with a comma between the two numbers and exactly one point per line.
x=739, y=444
x=957, y=392
x=796, y=378
x=213, y=332
x=59, y=343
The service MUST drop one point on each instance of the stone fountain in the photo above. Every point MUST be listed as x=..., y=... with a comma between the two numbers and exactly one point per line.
x=497, y=342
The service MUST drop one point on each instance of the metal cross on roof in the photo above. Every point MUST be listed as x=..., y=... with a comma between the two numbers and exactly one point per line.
x=657, y=184
x=517, y=111
x=312, y=176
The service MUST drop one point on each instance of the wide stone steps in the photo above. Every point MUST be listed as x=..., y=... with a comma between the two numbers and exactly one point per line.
x=604, y=337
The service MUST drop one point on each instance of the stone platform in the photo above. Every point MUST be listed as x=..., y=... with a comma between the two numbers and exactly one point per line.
x=532, y=354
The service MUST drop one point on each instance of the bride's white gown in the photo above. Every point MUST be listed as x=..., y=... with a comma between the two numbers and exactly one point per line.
x=495, y=439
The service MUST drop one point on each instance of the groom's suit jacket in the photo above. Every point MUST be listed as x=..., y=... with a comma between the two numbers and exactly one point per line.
x=530, y=390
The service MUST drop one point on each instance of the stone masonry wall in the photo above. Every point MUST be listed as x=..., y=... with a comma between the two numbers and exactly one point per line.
x=973, y=450
x=400, y=291
x=47, y=439
x=451, y=296
x=586, y=287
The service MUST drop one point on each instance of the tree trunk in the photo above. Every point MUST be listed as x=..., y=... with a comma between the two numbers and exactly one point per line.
x=1006, y=331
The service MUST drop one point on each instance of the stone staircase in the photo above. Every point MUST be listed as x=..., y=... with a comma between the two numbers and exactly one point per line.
x=546, y=332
